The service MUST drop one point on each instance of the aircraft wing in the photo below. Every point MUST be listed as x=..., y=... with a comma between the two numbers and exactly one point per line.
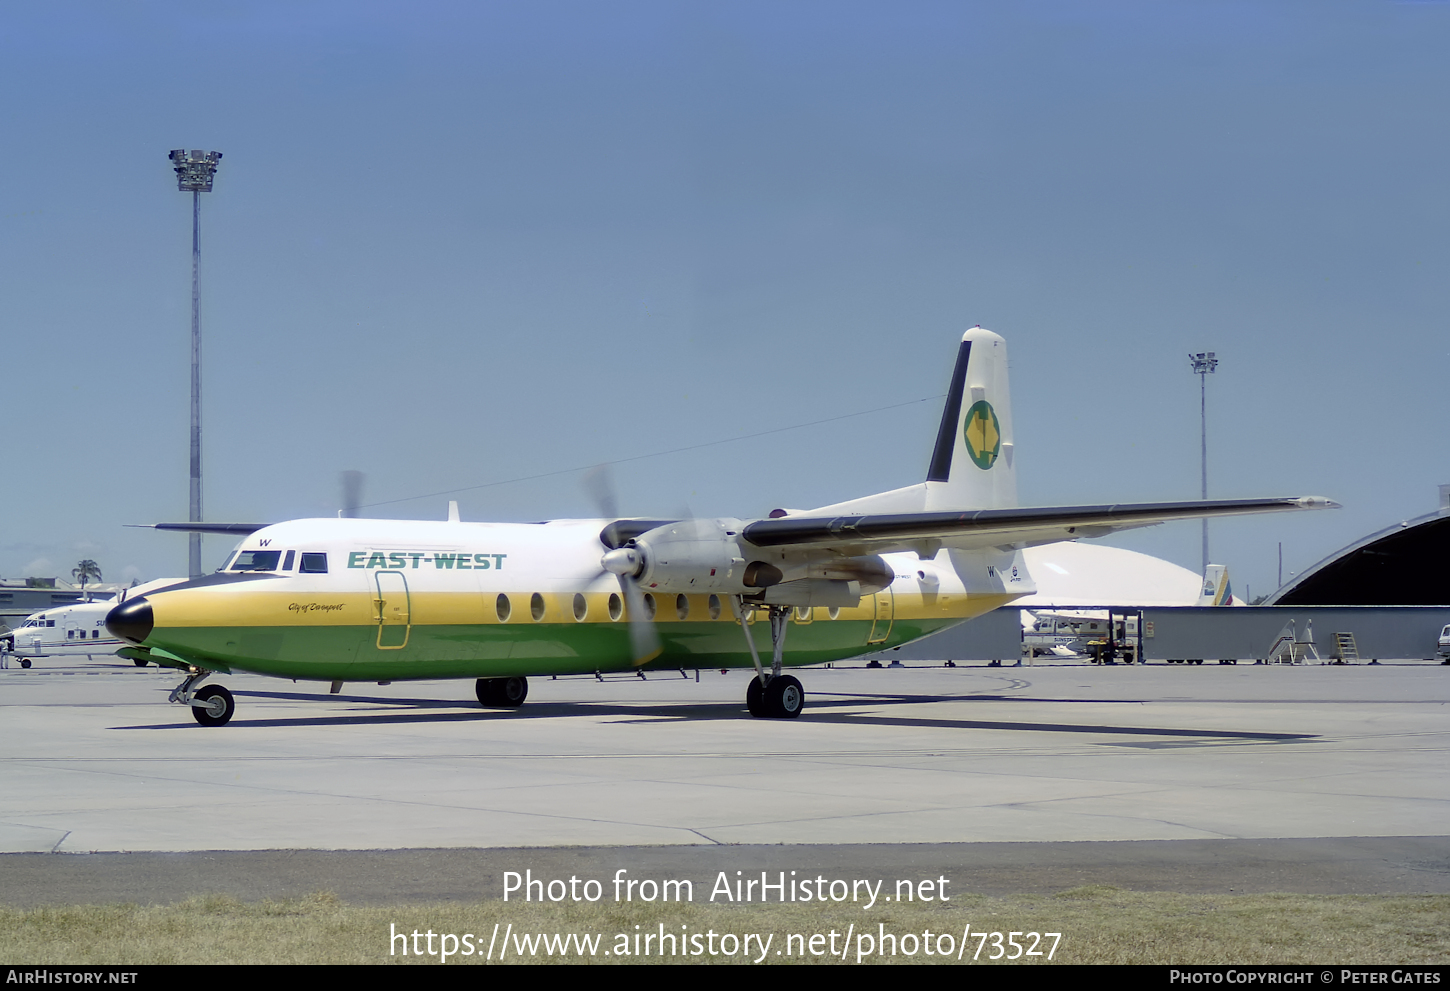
x=236, y=529
x=887, y=532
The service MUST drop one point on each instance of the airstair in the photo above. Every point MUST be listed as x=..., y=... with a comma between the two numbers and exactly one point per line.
x=1291, y=648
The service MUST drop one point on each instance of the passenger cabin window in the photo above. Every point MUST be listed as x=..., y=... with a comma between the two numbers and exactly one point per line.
x=313, y=564
x=256, y=561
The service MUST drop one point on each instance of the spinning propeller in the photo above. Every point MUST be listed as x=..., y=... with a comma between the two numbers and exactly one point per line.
x=625, y=563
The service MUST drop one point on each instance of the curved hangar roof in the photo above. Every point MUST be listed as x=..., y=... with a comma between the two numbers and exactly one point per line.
x=1073, y=574
x=1402, y=565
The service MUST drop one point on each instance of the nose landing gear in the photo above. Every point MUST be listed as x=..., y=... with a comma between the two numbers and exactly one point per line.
x=211, y=705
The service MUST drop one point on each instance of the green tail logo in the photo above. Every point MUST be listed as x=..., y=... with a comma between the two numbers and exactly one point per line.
x=982, y=434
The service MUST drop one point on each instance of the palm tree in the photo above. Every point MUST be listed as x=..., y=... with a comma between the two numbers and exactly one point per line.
x=85, y=571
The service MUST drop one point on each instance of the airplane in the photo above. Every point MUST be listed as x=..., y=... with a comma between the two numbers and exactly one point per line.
x=76, y=630
x=1107, y=576
x=366, y=600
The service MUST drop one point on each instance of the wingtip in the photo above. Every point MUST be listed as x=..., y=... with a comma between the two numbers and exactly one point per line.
x=1317, y=502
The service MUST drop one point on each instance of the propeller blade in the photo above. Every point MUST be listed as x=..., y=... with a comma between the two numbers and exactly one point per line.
x=644, y=640
x=625, y=563
x=352, y=490
x=598, y=483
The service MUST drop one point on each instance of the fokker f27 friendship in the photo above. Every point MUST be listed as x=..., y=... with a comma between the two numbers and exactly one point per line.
x=386, y=600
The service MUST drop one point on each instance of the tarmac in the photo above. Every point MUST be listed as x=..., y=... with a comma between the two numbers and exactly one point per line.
x=1326, y=779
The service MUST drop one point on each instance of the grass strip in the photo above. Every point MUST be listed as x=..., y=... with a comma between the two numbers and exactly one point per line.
x=1099, y=925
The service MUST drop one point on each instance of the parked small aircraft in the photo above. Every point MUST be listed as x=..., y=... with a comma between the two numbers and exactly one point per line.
x=76, y=630
x=386, y=600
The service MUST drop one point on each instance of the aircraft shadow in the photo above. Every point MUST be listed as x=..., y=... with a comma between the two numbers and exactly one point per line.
x=819, y=709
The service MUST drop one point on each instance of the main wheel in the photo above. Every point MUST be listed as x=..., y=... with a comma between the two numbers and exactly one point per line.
x=219, y=706
x=755, y=697
x=502, y=693
x=25, y=662
x=784, y=698
x=513, y=691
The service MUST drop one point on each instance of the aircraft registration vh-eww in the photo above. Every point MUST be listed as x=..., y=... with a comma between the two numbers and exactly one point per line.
x=355, y=600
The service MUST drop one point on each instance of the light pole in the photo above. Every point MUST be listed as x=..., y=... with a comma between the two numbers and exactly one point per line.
x=1203, y=364
x=194, y=174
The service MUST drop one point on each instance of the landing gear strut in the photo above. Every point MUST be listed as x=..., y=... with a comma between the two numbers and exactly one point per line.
x=773, y=696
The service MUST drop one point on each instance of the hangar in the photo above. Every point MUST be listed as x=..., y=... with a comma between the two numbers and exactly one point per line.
x=1401, y=565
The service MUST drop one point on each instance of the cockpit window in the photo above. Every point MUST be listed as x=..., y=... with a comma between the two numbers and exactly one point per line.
x=287, y=561
x=256, y=561
x=313, y=564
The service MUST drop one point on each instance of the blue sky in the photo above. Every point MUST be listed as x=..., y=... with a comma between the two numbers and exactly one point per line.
x=457, y=244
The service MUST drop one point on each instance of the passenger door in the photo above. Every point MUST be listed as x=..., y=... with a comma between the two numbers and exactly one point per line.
x=885, y=612
x=392, y=610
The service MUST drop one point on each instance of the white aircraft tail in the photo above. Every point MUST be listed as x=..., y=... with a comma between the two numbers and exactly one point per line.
x=972, y=465
x=1216, y=588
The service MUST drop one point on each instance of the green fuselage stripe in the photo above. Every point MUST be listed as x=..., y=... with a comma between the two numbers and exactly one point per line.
x=352, y=653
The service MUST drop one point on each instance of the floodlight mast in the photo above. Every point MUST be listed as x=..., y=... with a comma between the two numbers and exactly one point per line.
x=1203, y=365
x=194, y=173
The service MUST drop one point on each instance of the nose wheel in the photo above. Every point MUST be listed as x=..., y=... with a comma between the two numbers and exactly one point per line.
x=213, y=706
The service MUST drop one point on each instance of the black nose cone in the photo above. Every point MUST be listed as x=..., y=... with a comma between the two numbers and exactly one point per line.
x=131, y=620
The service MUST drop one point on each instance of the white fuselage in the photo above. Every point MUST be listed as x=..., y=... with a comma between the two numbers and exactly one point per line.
x=75, y=630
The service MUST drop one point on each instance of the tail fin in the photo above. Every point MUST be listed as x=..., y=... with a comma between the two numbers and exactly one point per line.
x=1216, y=588
x=972, y=464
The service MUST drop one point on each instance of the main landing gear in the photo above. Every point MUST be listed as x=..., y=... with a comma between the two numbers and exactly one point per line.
x=211, y=705
x=773, y=696
x=502, y=693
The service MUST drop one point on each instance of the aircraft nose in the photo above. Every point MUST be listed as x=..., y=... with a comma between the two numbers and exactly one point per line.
x=131, y=620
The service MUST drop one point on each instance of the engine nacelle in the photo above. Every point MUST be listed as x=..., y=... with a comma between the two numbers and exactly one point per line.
x=709, y=556
x=691, y=556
